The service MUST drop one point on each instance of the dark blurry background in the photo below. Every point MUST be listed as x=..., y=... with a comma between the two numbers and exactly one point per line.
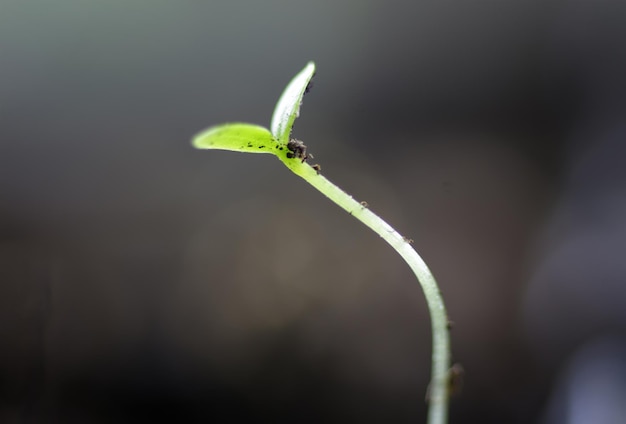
x=143, y=281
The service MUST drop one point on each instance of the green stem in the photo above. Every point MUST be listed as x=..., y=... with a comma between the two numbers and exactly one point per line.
x=438, y=392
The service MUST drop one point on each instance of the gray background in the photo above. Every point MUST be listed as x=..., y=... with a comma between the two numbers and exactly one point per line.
x=141, y=280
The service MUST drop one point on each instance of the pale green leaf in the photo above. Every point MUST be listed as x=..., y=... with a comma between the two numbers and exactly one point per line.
x=239, y=137
x=288, y=106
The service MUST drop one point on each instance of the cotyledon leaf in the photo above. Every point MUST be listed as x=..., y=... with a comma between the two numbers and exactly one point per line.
x=288, y=106
x=238, y=137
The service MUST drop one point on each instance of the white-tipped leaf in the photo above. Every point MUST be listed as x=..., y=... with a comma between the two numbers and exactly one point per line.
x=288, y=106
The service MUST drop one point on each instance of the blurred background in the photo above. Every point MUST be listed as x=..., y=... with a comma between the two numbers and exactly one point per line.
x=144, y=281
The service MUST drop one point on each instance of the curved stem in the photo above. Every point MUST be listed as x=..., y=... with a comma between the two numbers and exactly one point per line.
x=438, y=392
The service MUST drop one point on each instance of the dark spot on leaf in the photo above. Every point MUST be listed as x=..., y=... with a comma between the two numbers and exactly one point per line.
x=297, y=149
x=309, y=86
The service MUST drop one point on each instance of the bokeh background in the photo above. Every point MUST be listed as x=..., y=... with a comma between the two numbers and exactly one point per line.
x=143, y=281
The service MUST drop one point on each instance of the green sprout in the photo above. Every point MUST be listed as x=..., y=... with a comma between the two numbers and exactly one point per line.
x=242, y=137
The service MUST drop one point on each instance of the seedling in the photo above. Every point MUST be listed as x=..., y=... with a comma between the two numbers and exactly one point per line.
x=251, y=138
